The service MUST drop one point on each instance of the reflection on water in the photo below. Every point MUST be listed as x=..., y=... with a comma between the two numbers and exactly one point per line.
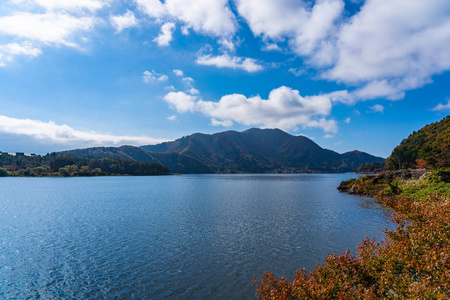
x=179, y=237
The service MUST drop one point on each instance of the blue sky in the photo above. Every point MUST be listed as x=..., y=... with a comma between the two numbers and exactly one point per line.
x=348, y=74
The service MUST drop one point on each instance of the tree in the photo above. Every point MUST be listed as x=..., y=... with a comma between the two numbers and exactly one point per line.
x=3, y=172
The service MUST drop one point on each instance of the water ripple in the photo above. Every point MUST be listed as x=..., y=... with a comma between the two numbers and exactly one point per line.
x=177, y=237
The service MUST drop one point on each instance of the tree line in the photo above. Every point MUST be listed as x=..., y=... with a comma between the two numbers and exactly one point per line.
x=68, y=165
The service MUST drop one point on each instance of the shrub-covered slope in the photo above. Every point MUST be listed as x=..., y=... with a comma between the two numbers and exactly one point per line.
x=429, y=147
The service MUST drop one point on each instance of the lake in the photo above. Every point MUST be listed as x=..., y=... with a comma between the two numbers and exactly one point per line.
x=172, y=237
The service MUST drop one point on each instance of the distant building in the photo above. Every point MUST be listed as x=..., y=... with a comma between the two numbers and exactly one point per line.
x=20, y=154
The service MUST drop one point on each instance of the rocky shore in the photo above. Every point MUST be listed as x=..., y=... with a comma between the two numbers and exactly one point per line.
x=372, y=185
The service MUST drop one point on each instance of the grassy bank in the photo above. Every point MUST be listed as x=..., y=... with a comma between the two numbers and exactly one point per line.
x=412, y=262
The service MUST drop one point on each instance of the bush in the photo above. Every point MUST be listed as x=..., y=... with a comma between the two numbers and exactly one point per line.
x=3, y=172
x=413, y=262
x=442, y=175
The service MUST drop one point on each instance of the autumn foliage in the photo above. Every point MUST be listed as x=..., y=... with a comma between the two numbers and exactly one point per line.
x=429, y=147
x=412, y=262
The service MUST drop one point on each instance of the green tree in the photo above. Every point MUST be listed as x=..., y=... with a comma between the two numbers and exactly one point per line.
x=3, y=172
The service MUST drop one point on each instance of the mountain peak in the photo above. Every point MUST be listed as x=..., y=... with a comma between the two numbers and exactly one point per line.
x=262, y=150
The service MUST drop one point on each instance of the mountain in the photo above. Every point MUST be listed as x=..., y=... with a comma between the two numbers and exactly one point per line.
x=430, y=147
x=261, y=151
x=251, y=151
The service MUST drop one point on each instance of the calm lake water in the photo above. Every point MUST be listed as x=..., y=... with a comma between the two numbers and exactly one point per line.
x=174, y=237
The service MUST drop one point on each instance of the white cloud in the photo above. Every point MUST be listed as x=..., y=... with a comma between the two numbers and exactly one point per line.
x=296, y=72
x=36, y=24
x=377, y=108
x=48, y=28
x=385, y=49
x=271, y=47
x=441, y=106
x=394, y=46
x=181, y=101
x=172, y=118
x=193, y=91
x=328, y=136
x=121, y=22
x=378, y=89
x=347, y=120
x=227, y=45
x=68, y=5
x=225, y=61
x=178, y=72
x=153, y=8
x=165, y=36
x=284, y=109
x=305, y=26
x=149, y=77
x=8, y=51
x=203, y=16
x=188, y=79
x=52, y=133
x=25, y=48
x=225, y=123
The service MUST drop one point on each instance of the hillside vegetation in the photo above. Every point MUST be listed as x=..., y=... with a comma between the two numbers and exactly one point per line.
x=429, y=147
x=70, y=165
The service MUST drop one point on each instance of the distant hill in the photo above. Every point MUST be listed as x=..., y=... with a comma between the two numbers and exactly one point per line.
x=251, y=151
x=430, y=147
x=66, y=165
x=176, y=162
x=261, y=151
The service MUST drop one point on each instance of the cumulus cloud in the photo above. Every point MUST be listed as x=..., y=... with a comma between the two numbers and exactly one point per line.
x=48, y=28
x=68, y=5
x=165, y=35
x=52, y=133
x=392, y=47
x=203, y=16
x=271, y=47
x=121, y=22
x=441, y=106
x=181, y=102
x=193, y=91
x=149, y=77
x=385, y=49
x=36, y=24
x=377, y=108
x=305, y=26
x=8, y=51
x=347, y=120
x=285, y=108
x=227, y=45
x=178, y=72
x=226, y=61
x=224, y=123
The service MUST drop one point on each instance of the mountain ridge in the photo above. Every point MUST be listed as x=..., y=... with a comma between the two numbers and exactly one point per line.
x=251, y=151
